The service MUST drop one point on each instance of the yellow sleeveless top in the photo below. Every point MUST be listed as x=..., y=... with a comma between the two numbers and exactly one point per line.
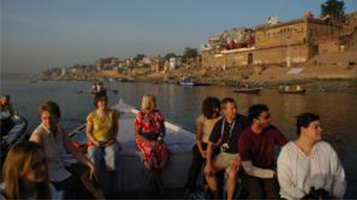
x=103, y=127
x=207, y=125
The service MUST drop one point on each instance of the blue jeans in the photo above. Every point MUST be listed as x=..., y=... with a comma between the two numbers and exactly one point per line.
x=109, y=153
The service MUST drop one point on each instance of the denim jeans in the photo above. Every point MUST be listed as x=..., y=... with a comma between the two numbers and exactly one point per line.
x=108, y=153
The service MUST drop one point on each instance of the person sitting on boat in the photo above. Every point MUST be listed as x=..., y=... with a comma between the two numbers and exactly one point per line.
x=287, y=88
x=204, y=125
x=298, y=88
x=94, y=88
x=78, y=181
x=308, y=167
x=25, y=174
x=225, y=136
x=149, y=138
x=281, y=87
x=7, y=112
x=98, y=88
x=103, y=145
x=256, y=149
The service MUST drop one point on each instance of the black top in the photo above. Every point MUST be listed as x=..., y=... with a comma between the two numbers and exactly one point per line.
x=230, y=135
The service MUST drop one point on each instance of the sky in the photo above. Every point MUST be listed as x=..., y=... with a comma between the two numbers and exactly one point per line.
x=42, y=34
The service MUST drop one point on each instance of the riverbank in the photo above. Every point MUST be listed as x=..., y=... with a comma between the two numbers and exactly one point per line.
x=337, y=77
x=271, y=78
x=333, y=72
x=329, y=78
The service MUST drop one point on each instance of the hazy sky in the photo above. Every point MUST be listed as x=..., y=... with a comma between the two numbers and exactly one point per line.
x=41, y=34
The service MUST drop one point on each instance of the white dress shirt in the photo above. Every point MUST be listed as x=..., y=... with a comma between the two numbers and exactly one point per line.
x=297, y=173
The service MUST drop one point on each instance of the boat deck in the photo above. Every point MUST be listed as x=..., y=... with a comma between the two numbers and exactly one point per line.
x=131, y=173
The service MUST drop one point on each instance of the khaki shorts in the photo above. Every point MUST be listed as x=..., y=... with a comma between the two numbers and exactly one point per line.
x=224, y=160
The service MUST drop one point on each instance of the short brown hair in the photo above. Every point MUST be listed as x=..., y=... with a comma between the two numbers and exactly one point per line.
x=226, y=101
x=51, y=107
x=99, y=97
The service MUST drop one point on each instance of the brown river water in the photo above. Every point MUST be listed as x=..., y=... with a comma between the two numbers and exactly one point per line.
x=338, y=111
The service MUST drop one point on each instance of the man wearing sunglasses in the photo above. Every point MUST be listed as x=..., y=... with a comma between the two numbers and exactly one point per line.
x=256, y=148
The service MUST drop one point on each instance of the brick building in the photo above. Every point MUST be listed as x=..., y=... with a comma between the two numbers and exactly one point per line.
x=287, y=43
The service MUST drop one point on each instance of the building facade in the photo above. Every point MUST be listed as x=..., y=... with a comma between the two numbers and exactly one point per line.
x=285, y=44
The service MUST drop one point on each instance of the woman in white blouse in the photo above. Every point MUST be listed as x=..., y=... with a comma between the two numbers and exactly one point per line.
x=308, y=167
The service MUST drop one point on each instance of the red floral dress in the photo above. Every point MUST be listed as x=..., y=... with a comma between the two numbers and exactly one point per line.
x=154, y=156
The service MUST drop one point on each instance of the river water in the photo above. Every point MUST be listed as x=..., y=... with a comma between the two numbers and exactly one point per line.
x=183, y=104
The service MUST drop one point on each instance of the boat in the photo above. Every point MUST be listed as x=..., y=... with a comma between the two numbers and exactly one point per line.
x=186, y=81
x=17, y=133
x=248, y=90
x=292, y=90
x=132, y=175
x=302, y=91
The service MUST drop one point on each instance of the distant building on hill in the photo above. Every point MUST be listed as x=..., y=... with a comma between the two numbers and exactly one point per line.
x=284, y=43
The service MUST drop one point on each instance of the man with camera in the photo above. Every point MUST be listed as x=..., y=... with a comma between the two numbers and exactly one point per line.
x=225, y=136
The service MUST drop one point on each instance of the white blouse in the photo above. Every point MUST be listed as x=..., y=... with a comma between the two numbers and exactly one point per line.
x=297, y=173
x=55, y=150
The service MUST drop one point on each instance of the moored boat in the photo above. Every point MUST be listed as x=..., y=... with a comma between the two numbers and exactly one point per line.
x=291, y=90
x=248, y=90
x=186, y=81
x=17, y=133
x=132, y=175
x=303, y=91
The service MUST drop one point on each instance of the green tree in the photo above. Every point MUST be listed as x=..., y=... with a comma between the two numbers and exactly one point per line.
x=189, y=53
x=334, y=8
x=138, y=57
x=169, y=55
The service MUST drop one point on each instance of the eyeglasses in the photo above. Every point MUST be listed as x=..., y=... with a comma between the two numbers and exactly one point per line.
x=35, y=165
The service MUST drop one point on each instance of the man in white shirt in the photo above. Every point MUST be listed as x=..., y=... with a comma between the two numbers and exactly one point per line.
x=309, y=167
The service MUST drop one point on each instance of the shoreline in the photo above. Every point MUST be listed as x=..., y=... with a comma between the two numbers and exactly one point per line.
x=348, y=86
x=314, y=78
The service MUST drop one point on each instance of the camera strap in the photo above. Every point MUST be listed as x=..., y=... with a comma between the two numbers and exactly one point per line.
x=230, y=130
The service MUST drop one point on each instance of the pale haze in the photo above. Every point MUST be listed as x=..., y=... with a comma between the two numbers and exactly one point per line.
x=42, y=34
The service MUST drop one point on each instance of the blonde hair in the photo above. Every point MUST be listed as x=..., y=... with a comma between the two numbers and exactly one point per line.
x=148, y=102
x=18, y=161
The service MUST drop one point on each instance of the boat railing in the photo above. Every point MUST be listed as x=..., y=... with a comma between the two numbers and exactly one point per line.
x=121, y=106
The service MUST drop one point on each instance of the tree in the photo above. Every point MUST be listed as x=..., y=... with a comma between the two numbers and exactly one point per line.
x=169, y=55
x=189, y=53
x=334, y=8
x=138, y=57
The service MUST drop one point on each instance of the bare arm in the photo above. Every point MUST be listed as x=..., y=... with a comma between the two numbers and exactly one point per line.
x=36, y=138
x=209, y=170
x=209, y=153
x=73, y=150
x=199, y=135
x=79, y=156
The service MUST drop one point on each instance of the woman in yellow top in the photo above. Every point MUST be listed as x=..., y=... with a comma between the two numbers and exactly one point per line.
x=204, y=125
x=102, y=132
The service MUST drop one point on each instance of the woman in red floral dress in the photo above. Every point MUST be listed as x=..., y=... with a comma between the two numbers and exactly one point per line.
x=149, y=134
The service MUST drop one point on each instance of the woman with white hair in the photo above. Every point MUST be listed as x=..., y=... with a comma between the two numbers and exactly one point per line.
x=149, y=138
